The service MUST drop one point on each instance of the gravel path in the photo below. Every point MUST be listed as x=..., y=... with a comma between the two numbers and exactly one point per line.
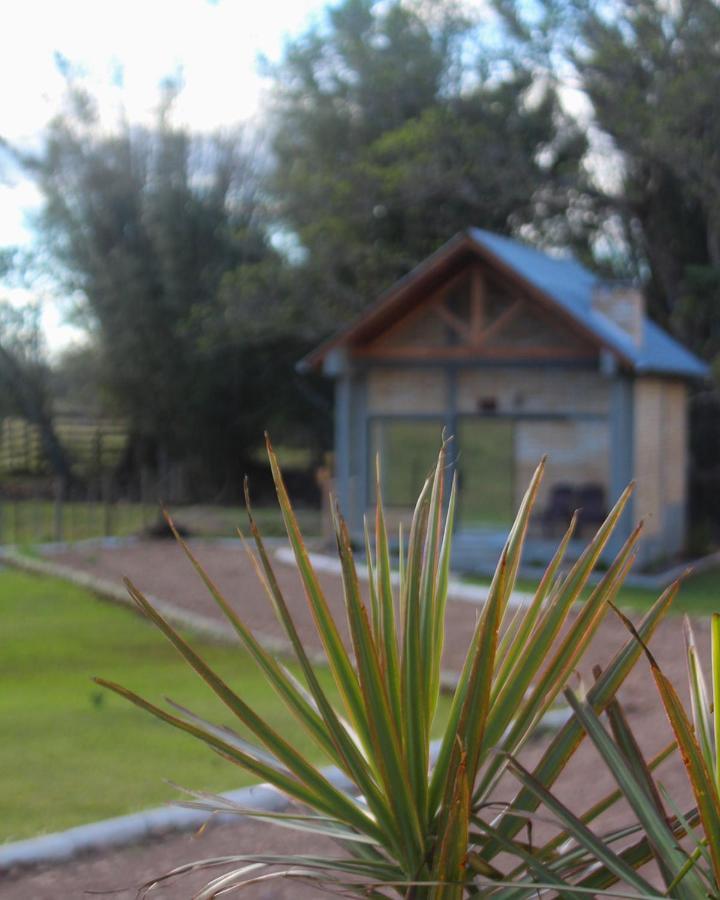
x=159, y=568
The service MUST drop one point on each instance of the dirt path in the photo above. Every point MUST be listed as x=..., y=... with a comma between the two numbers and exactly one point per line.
x=159, y=568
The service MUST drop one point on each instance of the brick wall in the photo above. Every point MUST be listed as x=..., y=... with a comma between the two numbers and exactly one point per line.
x=407, y=391
x=529, y=390
x=578, y=454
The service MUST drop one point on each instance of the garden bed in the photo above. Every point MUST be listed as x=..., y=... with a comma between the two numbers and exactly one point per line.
x=158, y=567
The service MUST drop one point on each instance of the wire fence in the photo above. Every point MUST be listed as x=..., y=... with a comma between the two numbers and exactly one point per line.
x=30, y=513
x=95, y=501
x=109, y=494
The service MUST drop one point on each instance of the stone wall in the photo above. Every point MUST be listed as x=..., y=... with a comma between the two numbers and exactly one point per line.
x=661, y=462
x=533, y=390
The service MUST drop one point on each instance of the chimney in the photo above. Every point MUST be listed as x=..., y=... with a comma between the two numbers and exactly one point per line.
x=622, y=304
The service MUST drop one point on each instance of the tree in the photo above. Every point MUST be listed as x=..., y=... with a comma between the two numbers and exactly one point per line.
x=651, y=72
x=390, y=134
x=142, y=225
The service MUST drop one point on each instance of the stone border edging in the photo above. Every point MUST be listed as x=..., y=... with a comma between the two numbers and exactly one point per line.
x=122, y=831
x=205, y=626
x=457, y=590
x=650, y=581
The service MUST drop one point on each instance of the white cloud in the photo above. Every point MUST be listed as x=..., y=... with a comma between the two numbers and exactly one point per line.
x=214, y=44
x=125, y=49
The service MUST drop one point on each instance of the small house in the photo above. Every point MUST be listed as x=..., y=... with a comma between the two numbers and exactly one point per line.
x=516, y=354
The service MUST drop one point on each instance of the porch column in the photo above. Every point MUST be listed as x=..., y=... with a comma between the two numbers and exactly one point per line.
x=358, y=453
x=342, y=441
x=622, y=468
x=451, y=417
x=336, y=366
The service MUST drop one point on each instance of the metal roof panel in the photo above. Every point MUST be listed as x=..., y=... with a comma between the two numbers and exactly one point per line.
x=570, y=285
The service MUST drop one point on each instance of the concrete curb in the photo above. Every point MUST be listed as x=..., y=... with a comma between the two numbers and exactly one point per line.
x=136, y=827
x=205, y=626
x=123, y=831
x=457, y=590
x=655, y=581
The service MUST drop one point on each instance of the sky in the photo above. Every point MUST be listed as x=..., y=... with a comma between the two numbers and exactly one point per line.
x=124, y=49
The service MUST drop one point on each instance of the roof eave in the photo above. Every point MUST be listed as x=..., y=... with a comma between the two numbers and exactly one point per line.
x=698, y=373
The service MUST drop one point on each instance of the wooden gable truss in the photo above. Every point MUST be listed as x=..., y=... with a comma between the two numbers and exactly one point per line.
x=474, y=315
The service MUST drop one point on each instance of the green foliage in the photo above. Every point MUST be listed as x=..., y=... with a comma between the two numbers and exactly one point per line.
x=650, y=71
x=423, y=828
x=684, y=844
x=648, y=75
x=393, y=127
x=141, y=225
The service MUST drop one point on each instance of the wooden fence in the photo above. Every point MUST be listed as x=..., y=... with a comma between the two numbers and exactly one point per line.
x=92, y=445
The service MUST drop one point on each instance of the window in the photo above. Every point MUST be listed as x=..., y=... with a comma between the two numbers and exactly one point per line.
x=408, y=451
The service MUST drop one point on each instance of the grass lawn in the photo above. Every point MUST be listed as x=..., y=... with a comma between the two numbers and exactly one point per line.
x=699, y=594
x=29, y=522
x=74, y=753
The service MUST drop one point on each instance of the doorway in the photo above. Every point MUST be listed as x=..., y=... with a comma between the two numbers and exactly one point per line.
x=486, y=472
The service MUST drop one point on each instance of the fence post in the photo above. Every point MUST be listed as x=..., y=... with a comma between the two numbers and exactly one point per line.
x=324, y=480
x=59, y=489
x=144, y=492
x=107, y=504
x=36, y=524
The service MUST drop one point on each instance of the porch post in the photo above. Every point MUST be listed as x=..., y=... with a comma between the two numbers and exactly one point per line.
x=452, y=423
x=622, y=467
x=336, y=366
x=451, y=414
x=360, y=461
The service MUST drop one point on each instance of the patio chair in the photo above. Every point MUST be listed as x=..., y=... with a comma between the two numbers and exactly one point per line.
x=592, y=505
x=561, y=505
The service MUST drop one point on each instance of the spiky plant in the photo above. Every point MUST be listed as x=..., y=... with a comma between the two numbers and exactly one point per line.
x=412, y=826
x=684, y=844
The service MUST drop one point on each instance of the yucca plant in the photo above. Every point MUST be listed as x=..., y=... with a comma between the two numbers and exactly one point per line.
x=415, y=826
x=694, y=871
x=684, y=844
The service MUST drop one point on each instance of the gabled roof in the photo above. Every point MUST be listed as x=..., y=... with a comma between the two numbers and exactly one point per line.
x=560, y=282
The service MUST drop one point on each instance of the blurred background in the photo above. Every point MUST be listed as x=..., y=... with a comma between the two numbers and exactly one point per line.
x=193, y=194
